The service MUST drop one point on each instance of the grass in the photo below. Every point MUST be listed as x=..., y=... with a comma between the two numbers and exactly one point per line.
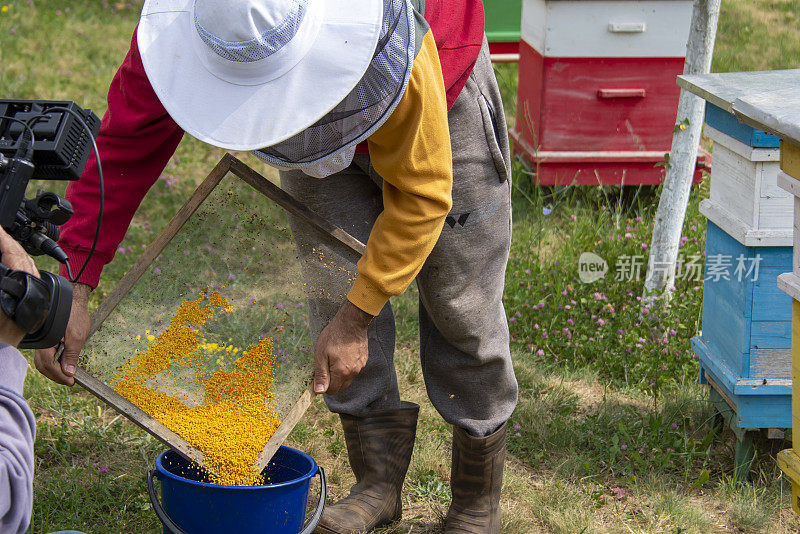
x=612, y=433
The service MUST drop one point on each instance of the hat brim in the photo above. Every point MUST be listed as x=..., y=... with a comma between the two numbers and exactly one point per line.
x=248, y=117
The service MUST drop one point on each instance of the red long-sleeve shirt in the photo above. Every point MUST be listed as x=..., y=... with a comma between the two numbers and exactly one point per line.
x=138, y=137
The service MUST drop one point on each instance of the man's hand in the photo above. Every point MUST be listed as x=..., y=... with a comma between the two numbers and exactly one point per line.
x=14, y=257
x=74, y=338
x=341, y=350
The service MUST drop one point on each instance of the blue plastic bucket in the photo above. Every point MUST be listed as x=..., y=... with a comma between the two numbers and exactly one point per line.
x=193, y=506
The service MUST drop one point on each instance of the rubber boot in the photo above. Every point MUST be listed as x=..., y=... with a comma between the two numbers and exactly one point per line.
x=476, y=480
x=379, y=447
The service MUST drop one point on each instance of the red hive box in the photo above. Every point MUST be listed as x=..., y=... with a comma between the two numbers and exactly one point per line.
x=597, y=97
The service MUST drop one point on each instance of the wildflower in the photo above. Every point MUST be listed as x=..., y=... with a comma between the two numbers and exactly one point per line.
x=103, y=470
x=512, y=320
x=623, y=447
x=540, y=352
x=674, y=426
x=546, y=211
x=157, y=271
x=527, y=271
x=573, y=217
x=517, y=427
x=570, y=321
x=279, y=305
x=601, y=322
x=672, y=332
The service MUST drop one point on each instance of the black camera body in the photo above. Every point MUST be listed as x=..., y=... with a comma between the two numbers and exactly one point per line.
x=50, y=140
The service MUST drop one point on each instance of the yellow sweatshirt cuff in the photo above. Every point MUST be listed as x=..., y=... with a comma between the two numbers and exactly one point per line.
x=367, y=297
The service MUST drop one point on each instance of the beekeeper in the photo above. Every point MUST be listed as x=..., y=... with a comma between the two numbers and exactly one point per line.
x=384, y=118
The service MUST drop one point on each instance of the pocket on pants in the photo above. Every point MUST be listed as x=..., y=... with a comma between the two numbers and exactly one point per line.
x=493, y=137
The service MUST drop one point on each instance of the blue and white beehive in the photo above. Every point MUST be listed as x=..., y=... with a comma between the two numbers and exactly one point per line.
x=745, y=345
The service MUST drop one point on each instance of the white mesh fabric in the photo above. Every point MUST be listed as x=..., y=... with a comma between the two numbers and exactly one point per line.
x=270, y=40
x=328, y=145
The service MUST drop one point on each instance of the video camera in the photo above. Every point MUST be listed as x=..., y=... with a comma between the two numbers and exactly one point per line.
x=49, y=140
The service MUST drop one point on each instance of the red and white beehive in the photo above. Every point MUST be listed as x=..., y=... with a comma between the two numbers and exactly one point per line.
x=597, y=97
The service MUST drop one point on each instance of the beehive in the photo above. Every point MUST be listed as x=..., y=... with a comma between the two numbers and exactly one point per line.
x=503, y=20
x=597, y=98
x=745, y=345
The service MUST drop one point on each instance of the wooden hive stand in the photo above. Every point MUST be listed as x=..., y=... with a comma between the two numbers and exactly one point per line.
x=597, y=99
x=745, y=345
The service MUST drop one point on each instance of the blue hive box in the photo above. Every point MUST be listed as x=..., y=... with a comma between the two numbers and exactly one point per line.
x=727, y=123
x=745, y=345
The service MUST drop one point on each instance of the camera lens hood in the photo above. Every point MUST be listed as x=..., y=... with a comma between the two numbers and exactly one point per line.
x=55, y=322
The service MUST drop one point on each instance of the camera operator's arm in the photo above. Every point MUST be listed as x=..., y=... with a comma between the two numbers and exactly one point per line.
x=17, y=425
x=136, y=140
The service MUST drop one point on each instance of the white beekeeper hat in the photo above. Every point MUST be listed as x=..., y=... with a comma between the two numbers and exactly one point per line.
x=249, y=74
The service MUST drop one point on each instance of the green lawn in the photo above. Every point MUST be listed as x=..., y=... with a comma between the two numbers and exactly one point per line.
x=612, y=432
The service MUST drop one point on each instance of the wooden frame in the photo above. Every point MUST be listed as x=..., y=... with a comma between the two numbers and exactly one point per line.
x=228, y=164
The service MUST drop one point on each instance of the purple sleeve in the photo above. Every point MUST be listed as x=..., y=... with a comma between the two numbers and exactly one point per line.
x=17, y=432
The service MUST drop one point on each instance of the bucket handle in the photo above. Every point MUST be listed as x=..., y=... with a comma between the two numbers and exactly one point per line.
x=162, y=515
x=323, y=494
x=175, y=529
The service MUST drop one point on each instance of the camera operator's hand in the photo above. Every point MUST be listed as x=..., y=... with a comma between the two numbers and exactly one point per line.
x=14, y=257
x=74, y=338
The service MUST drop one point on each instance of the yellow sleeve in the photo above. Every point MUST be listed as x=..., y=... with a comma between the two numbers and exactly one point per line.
x=411, y=152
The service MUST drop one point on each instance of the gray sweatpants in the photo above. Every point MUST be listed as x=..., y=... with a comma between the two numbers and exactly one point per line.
x=464, y=345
